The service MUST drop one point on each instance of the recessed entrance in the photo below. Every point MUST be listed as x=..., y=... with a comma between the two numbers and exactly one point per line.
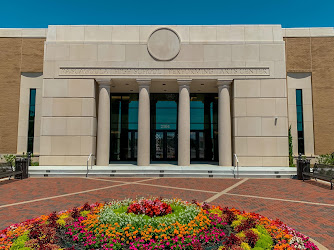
x=164, y=127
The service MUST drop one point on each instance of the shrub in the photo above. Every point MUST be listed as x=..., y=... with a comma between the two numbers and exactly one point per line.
x=10, y=159
x=291, y=164
x=327, y=159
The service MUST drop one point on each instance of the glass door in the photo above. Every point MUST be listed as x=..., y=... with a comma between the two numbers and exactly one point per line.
x=197, y=146
x=131, y=148
x=171, y=145
x=164, y=127
x=164, y=146
x=159, y=145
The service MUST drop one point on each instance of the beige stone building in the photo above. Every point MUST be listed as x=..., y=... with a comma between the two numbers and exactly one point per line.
x=157, y=94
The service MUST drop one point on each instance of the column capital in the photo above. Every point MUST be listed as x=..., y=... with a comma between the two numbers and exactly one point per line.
x=144, y=82
x=104, y=83
x=223, y=83
x=184, y=83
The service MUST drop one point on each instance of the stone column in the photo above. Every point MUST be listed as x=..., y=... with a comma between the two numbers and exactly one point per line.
x=224, y=124
x=144, y=123
x=103, y=125
x=184, y=123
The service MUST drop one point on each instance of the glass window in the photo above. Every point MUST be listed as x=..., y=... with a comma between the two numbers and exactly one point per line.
x=300, y=124
x=204, y=127
x=31, y=124
x=164, y=111
x=123, y=126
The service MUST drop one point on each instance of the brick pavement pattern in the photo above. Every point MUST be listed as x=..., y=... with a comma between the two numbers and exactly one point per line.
x=308, y=206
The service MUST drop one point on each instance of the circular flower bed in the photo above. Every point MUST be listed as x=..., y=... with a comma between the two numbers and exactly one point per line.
x=152, y=224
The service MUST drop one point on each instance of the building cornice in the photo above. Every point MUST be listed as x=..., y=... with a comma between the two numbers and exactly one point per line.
x=308, y=32
x=22, y=33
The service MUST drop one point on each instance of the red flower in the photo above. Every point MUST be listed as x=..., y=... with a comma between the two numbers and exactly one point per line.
x=150, y=208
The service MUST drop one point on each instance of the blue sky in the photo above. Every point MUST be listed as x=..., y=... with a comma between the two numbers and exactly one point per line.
x=289, y=13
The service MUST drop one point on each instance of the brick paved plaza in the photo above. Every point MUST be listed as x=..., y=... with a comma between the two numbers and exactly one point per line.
x=305, y=206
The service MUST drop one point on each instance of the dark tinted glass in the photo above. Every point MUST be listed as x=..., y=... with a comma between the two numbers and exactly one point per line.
x=203, y=126
x=31, y=125
x=164, y=111
x=123, y=126
x=300, y=123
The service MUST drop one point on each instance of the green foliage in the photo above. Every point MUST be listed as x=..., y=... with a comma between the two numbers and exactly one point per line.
x=265, y=241
x=327, y=159
x=31, y=163
x=291, y=164
x=117, y=212
x=84, y=213
x=238, y=221
x=10, y=159
x=19, y=243
x=241, y=235
x=245, y=246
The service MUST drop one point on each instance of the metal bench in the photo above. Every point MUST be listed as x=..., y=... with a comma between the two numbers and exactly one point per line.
x=6, y=170
x=320, y=171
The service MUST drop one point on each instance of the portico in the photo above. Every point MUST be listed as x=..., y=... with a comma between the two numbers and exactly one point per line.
x=144, y=154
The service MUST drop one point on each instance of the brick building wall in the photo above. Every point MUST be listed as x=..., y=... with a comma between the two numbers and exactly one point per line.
x=316, y=55
x=16, y=55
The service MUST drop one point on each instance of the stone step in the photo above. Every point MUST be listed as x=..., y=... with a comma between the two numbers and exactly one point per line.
x=163, y=171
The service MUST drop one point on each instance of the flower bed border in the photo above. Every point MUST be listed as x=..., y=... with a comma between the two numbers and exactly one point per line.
x=213, y=225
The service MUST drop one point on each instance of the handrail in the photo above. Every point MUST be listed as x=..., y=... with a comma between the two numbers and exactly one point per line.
x=236, y=165
x=91, y=163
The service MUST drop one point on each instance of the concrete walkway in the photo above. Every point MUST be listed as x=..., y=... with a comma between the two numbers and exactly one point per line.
x=305, y=206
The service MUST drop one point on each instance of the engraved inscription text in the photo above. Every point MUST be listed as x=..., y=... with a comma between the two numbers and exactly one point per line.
x=91, y=71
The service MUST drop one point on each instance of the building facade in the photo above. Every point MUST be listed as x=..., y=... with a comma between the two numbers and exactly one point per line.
x=185, y=94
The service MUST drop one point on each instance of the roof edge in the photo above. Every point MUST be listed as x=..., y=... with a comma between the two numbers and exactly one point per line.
x=308, y=32
x=23, y=33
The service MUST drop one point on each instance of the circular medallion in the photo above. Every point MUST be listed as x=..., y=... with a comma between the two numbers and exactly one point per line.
x=164, y=44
